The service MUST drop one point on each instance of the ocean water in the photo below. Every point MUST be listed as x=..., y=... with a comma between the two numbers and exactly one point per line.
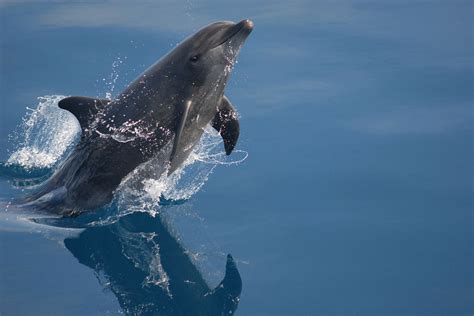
x=349, y=193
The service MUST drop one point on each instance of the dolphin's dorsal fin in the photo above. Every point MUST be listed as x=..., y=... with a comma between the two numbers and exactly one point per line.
x=226, y=122
x=83, y=108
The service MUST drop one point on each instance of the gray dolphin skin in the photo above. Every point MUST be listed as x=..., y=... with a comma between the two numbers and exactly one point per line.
x=167, y=106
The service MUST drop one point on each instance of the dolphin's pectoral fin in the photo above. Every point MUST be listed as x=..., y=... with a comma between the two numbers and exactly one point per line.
x=83, y=108
x=227, y=294
x=226, y=123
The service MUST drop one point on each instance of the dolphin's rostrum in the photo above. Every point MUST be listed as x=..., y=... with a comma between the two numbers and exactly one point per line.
x=166, y=107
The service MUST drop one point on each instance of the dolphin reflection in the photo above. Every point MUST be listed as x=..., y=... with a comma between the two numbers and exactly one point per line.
x=149, y=272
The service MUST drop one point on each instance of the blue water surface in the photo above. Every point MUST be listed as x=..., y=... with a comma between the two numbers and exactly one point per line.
x=355, y=198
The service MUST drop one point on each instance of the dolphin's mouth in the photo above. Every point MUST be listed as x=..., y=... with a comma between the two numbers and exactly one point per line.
x=244, y=27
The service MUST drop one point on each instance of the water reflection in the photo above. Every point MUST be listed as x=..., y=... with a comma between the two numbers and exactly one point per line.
x=149, y=272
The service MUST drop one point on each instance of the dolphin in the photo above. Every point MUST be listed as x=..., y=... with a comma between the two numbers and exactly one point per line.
x=163, y=111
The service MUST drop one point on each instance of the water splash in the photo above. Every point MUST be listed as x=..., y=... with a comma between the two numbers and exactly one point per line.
x=44, y=136
x=188, y=179
x=111, y=81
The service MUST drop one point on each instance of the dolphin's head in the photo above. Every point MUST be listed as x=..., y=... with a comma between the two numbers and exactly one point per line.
x=202, y=62
x=212, y=51
x=218, y=43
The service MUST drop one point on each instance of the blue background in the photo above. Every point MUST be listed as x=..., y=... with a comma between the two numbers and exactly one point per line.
x=356, y=198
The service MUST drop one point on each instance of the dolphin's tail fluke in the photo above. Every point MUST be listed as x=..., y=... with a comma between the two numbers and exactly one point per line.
x=226, y=295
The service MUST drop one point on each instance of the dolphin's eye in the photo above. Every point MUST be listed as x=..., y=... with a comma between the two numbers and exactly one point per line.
x=194, y=58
